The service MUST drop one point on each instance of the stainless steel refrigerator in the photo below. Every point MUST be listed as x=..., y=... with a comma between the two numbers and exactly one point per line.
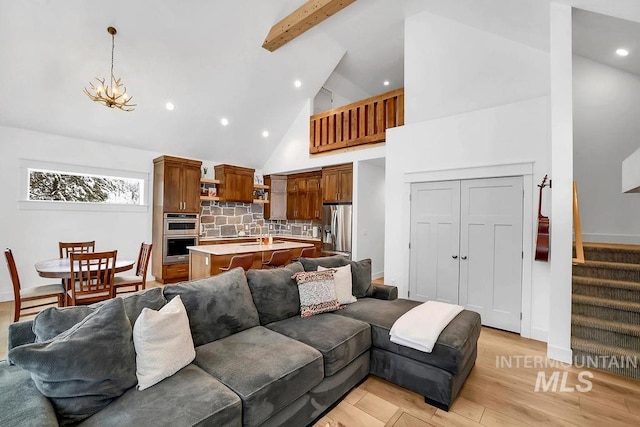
x=336, y=238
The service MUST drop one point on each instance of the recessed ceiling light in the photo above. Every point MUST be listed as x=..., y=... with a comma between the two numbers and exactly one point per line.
x=265, y=133
x=622, y=52
x=297, y=83
x=386, y=83
x=224, y=121
x=170, y=106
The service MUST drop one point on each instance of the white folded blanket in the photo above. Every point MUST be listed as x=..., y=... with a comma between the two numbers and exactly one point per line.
x=420, y=327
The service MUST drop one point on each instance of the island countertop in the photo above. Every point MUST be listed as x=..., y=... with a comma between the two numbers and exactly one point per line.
x=245, y=248
x=209, y=240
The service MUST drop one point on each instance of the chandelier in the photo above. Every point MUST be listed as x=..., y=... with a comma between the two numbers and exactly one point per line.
x=114, y=95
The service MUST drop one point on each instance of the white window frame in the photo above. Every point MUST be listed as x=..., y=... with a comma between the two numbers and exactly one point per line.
x=49, y=205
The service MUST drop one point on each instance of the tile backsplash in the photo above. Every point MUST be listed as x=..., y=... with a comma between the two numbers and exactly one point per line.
x=227, y=219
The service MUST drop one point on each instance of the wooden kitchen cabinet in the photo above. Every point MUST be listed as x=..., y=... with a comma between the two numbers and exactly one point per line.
x=176, y=184
x=314, y=191
x=277, y=206
x=337, y=184
x=315, y=204
x=304, y=196
x=176, y=189
x=236, y=183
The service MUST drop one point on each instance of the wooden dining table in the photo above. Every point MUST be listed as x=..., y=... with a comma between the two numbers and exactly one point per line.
x=59, y=268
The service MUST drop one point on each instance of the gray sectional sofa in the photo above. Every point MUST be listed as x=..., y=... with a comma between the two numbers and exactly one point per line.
x=258, y=362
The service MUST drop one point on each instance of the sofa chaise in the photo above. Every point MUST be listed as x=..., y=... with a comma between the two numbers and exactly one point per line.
x=258, y=362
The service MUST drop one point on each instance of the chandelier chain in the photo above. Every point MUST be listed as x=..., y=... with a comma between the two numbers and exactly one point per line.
x=113, y=47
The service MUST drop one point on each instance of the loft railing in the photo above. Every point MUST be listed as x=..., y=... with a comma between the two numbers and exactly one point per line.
x=363, y=122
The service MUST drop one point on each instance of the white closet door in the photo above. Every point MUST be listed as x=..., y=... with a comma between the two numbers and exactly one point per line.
x=435, y=237
x=491, y=250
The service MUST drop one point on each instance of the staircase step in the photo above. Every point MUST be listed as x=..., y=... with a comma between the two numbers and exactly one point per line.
x=613, y=252
x=604, y=308
x=608, y=270
x=606, y=288
x=605, y=332
x=592, y=355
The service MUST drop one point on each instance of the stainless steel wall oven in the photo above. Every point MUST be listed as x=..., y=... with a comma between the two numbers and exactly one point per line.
x=180, y=231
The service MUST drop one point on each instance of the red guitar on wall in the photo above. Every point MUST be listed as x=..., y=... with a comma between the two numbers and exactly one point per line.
x=542, y=242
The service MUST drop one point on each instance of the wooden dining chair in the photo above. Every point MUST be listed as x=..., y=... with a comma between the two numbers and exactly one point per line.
x=92, y=277
x=245, y=261
x=278, y=259
x=308, y=252
x=42, y=292
x=139, y=281
x=79, y=247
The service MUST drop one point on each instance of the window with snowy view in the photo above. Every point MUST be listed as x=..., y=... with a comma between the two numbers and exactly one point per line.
x=58, y=186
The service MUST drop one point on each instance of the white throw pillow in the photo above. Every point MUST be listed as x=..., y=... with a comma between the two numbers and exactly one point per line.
x=163, y=343
x=342, y=280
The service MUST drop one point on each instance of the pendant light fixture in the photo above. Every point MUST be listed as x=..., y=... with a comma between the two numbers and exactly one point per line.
x=114, y=95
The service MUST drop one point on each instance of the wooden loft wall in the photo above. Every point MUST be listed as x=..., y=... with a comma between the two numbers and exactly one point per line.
x=359, y=123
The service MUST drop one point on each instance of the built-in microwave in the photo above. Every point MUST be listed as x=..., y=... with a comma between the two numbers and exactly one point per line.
x=174, y=250
x=180, y=231
x=176, y=224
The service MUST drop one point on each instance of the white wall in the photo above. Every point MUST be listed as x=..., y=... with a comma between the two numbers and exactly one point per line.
x=631, y=173
x=344, y=91
x=369, y=208
x=452, y=68
x=559, y=337
x=606, y=107
x=508, y=134
x=33, y=235
x=473, y=99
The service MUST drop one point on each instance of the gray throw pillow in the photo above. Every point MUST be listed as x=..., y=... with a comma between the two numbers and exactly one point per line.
x=53, y=321
x=311, y=264
x=217, y=306
x=361, y=278
x=275, y=293
x=86, y=367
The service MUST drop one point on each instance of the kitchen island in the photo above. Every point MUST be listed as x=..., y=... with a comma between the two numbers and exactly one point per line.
x=207, y=260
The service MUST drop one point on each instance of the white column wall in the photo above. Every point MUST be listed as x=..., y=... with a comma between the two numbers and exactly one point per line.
x=369, y=209
x=559, y=337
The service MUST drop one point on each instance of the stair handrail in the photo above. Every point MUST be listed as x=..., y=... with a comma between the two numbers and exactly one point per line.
x=579, y=258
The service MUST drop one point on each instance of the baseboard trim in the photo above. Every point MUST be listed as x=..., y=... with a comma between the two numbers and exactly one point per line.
x=631, y=239
x=377, y=275
x=6, y=296
x=538, y=334
x=561, y=354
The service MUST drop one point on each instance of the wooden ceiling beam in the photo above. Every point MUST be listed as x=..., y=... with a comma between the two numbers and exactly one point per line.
x=302, y=19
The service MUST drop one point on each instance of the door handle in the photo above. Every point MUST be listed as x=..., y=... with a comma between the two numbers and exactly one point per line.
x=463, y=257
x=454, y=256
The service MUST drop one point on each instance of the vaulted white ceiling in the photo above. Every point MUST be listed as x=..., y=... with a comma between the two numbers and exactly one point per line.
x=597, y=37
x=206, y=57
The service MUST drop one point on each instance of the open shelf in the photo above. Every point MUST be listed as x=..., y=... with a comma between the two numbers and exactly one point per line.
x=210, y=198
x=210, y=181
x=261, y=186
x=260, y=201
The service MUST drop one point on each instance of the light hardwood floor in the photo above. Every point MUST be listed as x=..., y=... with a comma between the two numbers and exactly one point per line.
x=491, y=396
